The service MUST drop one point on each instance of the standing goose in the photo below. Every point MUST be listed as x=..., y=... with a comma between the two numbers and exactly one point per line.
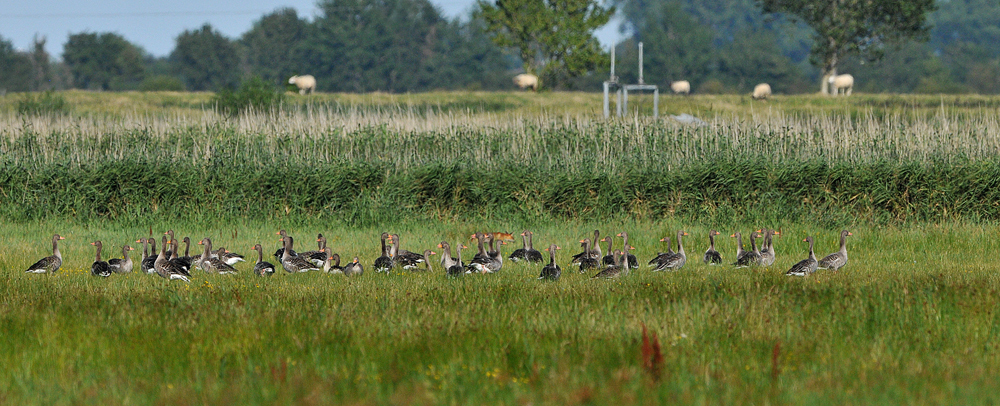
x=806, y=266
x=838, y=259
x=496, y=257
x=166, y=269
x=99, y=267
x=521, y=254
x=262, y=268
x=750, y=258
x=482, y=258
x=533, y=254
x=294, y=264
x=587, y=262
x=172, y=256
x=551, y=271
x=317, y=257
x=332, y=262
x=632, y=261
x=712, y=257
x=767, y=254
x=456, y=269
x=354, y=268
x=281, y=251
x=49, y=264
x=403, y=257
x=675, y=261
x=123, y=264
x=170, y=250
x=593, y=253
x=211, y=264
x=446, y=259
x=383, y=263
x=614, y=270
x=663, y=256
x=609, y=259
x=148, y=263
x=229, y=257
x=739, y=245
x=187, y=260
x=145, y=254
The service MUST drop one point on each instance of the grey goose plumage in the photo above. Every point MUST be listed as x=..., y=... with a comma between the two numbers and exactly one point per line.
x=838, y=259
x=49, y=264
x=806, y=266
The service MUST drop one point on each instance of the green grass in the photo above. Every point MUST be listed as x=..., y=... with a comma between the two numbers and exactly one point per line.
x=912, y=319
x=886, y=329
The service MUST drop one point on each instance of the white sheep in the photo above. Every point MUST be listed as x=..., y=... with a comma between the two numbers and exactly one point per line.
x=305, y=83
x=681, y=87
x=526, y=80
x=761, y=91
x=843, y=82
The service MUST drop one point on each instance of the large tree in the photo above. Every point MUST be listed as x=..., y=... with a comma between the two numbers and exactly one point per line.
x=205, y=59
x=103, y=61
x=554, y=38
x=271, y=44
x=15, y=69
x=863, y=27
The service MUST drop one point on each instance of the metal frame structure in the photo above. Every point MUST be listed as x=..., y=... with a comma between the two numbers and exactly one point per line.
x=621, y=91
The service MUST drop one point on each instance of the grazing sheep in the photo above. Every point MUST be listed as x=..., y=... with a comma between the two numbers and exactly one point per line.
x=526, y=80
x=761, y=91
x=843, y=82
x=305, y=83
x=681, y=87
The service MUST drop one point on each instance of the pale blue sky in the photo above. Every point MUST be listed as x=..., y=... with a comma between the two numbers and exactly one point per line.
x=155, y=25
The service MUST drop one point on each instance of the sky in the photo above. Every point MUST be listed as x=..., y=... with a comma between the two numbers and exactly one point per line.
x=154, y=25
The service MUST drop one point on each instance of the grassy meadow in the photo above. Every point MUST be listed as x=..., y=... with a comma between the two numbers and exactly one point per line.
x=912, y=319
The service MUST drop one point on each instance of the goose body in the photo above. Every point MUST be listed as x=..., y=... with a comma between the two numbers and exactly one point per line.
x=123, y=264
x=712, y=257
x=99, y=267
x=838, y=259
x=262, y=268
x=521, y=254
x=551, y=271
x=533, y=255
x=662, y=256
x=632, y=261
x=609, y=259
x=49, y=264
x=593, y=253
x=317, y=257
x=354, y=268
x=281, y=251
x=767, y=254
x=806, y=266
x=496, y=257
x=752, y=257
x=294, y=264
x=332, y=262
x=384, y=262
x=482, y=258
x=186, y=261
x=673, y=261
x=404, y=258
x=148, y=263
x=172, y=256
x=211, y=264
x=169, y=270
x=456, y=269
x=615, y=270
x=587, y=261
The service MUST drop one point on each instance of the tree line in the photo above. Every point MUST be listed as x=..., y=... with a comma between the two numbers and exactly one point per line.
x=407, y=46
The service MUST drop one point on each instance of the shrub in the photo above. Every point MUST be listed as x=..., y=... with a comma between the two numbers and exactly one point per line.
x=47, y=102
x=254, y=94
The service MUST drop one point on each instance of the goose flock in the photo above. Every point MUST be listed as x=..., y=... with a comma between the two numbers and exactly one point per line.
x=169, y=264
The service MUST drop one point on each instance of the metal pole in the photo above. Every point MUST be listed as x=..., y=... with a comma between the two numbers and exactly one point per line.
x=612, y=64
x=625, y=103
x=656, y=102
x=607, y=111
x=618, y=102
x=640, y=64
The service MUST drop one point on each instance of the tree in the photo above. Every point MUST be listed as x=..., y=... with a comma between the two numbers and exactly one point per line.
x=205, y=59
x=675, y=45
x=15, y=69
x=554, y=38
x=863, y=27
x=271, y=46
x=103, y=61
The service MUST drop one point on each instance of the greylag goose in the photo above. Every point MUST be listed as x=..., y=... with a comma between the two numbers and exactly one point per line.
x=739, y=245
x=49, y=264
x=712, y=257
x=172, y=256
x=496, y=257
x=482, y=258
x=211, y=264
x=838, y=259
x=587, y=262
x=609, y=259
x=281, y=251
x=521, y=254
x=170, y=250
x=427, y=260
x=404, y=258
x=767, y=254
x=633, y=262
x=446, y=259
x=148, y=263
x=229, y=257
x=262, y=268
x=99, y=267
x=294, y=264
x=551, y=271
x=187, y=260
x=166, y=269
x=456, y=269
x=533, y=254
x=123, y=264
x=354, y=268
x=594, y=252
x=317, y=257
x=384, y=262
x=805, y=266
x=675, y=261
x=332, y=262
x=615, y=270
x=662, y=256
x=752, y=257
